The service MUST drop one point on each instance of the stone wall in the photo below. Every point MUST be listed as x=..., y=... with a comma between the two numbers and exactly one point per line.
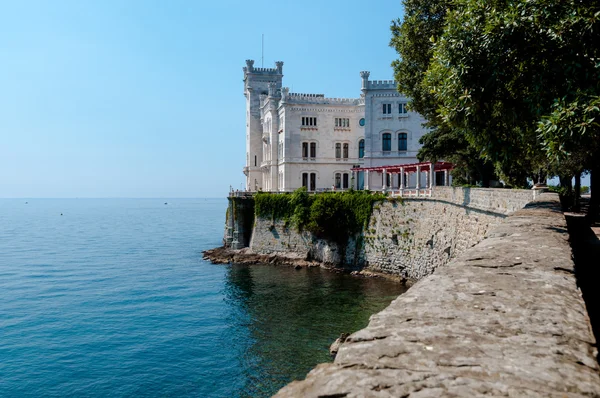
x=504, y=319
x=410, y=239
x=270, y=237
x=496, y=200
x=239, y=222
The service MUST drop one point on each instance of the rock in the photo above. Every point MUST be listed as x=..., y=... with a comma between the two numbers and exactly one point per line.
x=298, y=266
x=337, y=343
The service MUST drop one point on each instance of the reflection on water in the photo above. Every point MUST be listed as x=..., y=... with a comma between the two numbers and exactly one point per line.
x=293, y=316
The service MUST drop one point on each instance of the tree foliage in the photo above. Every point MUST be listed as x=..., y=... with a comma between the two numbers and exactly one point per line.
x=516, y=80
x=414, y=39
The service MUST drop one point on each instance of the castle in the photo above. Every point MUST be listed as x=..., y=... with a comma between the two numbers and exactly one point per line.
x=295, y=140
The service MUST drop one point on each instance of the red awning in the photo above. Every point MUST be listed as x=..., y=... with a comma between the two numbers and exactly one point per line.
x=408, y=168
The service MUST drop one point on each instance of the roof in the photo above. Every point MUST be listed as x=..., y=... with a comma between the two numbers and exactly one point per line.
x=410, y=167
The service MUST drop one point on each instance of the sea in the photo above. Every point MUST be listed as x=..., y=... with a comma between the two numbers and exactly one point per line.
x=111, y=298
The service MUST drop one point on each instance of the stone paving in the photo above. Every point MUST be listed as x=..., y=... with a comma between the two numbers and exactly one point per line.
x=504, y=319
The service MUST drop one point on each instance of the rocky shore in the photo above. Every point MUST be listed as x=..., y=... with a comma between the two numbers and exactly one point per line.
x=245, y=256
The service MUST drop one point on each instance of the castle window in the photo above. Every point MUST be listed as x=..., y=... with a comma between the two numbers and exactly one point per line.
x=361, y=149
x=338, y=150
x=338, y=180
x=305, y=180
x=309, y=121
x=345, y=181
x=386, y=142
x=402, y=108
x=305, y=149
x=313, y=181
x=254, y=160
x=342, y=122
x=402, y=142
x=313, y=149
x=345, y=154
x=387, y=109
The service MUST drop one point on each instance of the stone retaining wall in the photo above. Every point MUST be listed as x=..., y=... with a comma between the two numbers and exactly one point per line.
x=495, y=200
x=504, y=319
x=414, y=238
x=410, y=239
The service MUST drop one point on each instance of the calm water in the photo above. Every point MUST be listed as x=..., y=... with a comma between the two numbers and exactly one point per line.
x=113, y=299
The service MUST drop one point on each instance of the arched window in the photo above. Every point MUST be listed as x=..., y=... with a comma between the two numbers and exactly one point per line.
x=361, y=149
x=313, y=149
x=345, y=151
x=338, y=180
x=402, y=142
x=305, y=149
x=387, y=142
x=338, y=150
x=345, y=181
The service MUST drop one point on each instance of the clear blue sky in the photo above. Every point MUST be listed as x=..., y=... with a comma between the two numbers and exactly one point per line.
x=144, y=98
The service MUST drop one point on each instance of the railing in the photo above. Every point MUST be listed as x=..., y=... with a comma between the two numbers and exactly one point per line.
x=412, y=193
x=403, y=193
x=249, y=194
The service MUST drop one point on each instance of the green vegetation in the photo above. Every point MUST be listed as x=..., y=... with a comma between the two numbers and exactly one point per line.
x=334, y=216
x=510, y=89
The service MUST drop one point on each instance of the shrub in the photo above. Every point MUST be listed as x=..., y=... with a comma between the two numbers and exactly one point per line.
x=333, y=216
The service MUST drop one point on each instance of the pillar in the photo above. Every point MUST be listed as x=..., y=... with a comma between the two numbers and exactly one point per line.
x=367, y=180
x=418, y=177
x=384, y=180
x=401, y=179
x=432, y=174
x=446, y=177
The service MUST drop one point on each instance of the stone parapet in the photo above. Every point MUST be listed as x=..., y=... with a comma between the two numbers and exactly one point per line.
x=497, y=200
x=503, y=319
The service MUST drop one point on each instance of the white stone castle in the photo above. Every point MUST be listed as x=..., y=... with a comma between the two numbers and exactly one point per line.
x=295, y=140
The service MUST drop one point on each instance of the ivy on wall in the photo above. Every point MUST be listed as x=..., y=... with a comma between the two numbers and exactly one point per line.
x=333, y=216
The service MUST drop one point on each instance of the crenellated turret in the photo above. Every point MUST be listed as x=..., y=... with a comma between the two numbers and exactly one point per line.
x=365, y=79
x=279, y=67
x=285, y=91
x=260, y=84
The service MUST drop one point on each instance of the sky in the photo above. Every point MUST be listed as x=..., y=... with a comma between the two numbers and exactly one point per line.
x=143, y=98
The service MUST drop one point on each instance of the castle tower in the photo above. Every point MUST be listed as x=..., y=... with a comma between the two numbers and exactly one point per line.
x=257, y=82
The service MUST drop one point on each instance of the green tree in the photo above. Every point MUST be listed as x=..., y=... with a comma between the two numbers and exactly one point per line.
x=413, y=38
x=572, y=137
x=501, y=67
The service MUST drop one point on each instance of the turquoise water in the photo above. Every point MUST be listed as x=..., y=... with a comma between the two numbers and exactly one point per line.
x=112, y=298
